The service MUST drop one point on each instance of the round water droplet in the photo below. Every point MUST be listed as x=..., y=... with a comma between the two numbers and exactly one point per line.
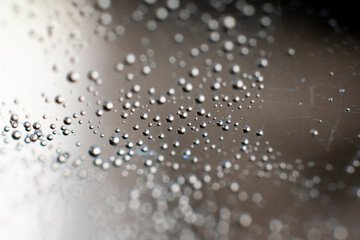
x=74, y=77
x=114, y=140
x=245, y=220
x=95, y=150
x=238, y=84
x=200, y=98
x=229, y=22
x=16, y=135
x=108, y=105
x=67, y=120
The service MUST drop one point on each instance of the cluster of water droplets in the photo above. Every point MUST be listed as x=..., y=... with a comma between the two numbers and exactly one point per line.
x=185, y=137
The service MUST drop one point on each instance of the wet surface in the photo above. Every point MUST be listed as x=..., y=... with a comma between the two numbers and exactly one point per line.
x=159, y=120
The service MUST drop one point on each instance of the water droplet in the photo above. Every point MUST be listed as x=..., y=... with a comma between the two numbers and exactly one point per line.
x=95, y=150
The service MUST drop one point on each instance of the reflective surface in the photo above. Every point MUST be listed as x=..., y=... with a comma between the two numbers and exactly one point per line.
x=178, y=120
